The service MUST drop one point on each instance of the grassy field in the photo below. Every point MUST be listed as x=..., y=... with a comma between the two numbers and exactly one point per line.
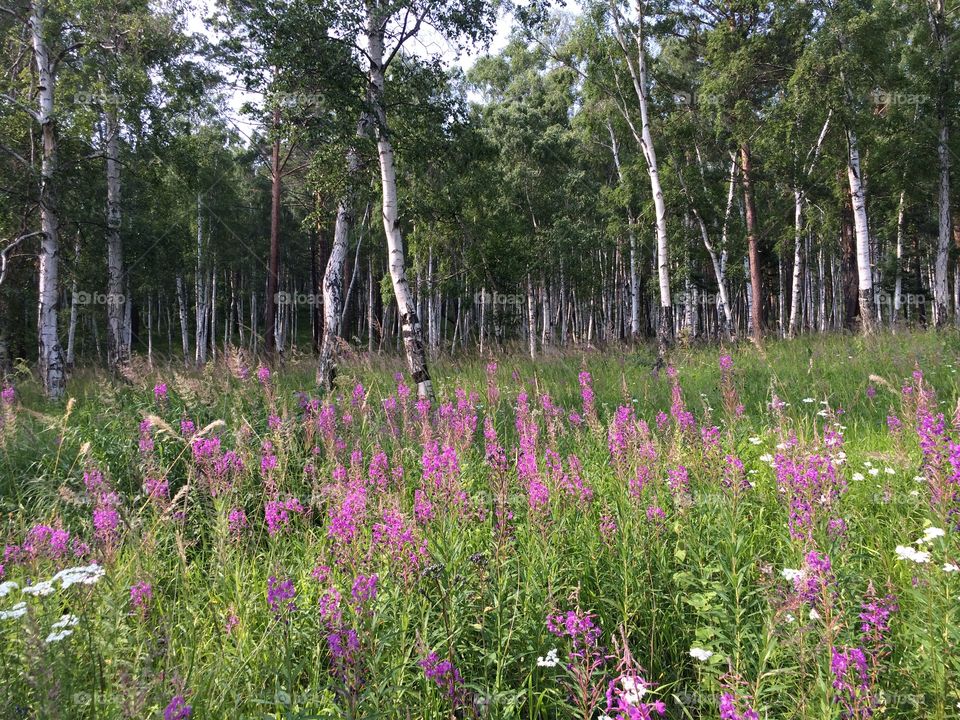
x=746, y=534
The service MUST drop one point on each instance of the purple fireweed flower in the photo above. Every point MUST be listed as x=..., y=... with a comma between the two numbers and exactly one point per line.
x=625, y=699
x=237, y=521
x=281, y=595
x=581, y=629
x=187, y=428
x=732, y=708
x=177, y=709
x=445, y=676
x=277, y=514
x=871, y=392
x=263, y=374
x=160, y=391
x=851, y=681
x=679, y=481
x=608, y=527
x=364, y=590
x=106, y=521
x=589, y=399
x=140, y=596
x=726, y=363
x=7, y=395
x=894, y=425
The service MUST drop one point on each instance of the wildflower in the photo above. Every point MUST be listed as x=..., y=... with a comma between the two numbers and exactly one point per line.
x=277, y=514
x=140, y=596
x=177, y=709
x=65, y=621
x=58, y=636
x=84, y=575
x=7, y=395
x=905, y=552
x=550, y=660
x=700, y=654
x=160, y=392
x=263, y=374
x=237, y=521
x=931, y=534
x=364, y=589
x=44, y=587
x=791, y=574
x=951, y=568
x=17, y=611
x=730, y=708
x=281, y=595
x=445, y=676
x=6, y=587
x=625, y=699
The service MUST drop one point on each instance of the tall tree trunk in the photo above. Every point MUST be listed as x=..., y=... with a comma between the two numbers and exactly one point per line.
x=848, y=266
x=898, y=282
x=118, y=353
x=753, y=251
x=409, y=321
x=798, y=202
x=861, y=231
x=184, y=329
x=50, y=356
x=74, y=307
x=270, y=309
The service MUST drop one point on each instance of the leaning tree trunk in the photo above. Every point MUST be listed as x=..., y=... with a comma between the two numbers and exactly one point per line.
x=409, y=322
x=753, y=251
x=861, y=232
x=118, y=352
x=333, y=288
x=50, y=357
x=638, y=75
x=333, y=310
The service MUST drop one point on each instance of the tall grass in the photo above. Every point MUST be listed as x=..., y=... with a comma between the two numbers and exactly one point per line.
x=391, y=564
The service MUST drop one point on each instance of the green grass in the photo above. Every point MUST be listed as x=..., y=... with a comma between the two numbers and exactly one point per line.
x=707, y=576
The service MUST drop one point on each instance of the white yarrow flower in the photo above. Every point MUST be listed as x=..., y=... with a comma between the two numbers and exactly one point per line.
x=17, y=611
x=551, y=659
x=791, y=574
x=858, y=476
x=755, y=440
x=700, y=654
x=41, y=588
x=951, y=568
x=905, y=552
x=7, y=587
x=58, y=636
x=65, y=621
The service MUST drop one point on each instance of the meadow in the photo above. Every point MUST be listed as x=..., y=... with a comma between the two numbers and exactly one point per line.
x=744, y=534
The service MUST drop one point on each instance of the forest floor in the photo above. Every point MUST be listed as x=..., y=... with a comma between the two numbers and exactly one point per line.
x=745, y=534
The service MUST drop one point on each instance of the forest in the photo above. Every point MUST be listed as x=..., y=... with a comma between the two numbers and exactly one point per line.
x=319, y=177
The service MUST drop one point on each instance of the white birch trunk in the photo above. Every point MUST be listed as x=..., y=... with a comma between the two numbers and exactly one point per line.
x=52, y=372
x=861, y=232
